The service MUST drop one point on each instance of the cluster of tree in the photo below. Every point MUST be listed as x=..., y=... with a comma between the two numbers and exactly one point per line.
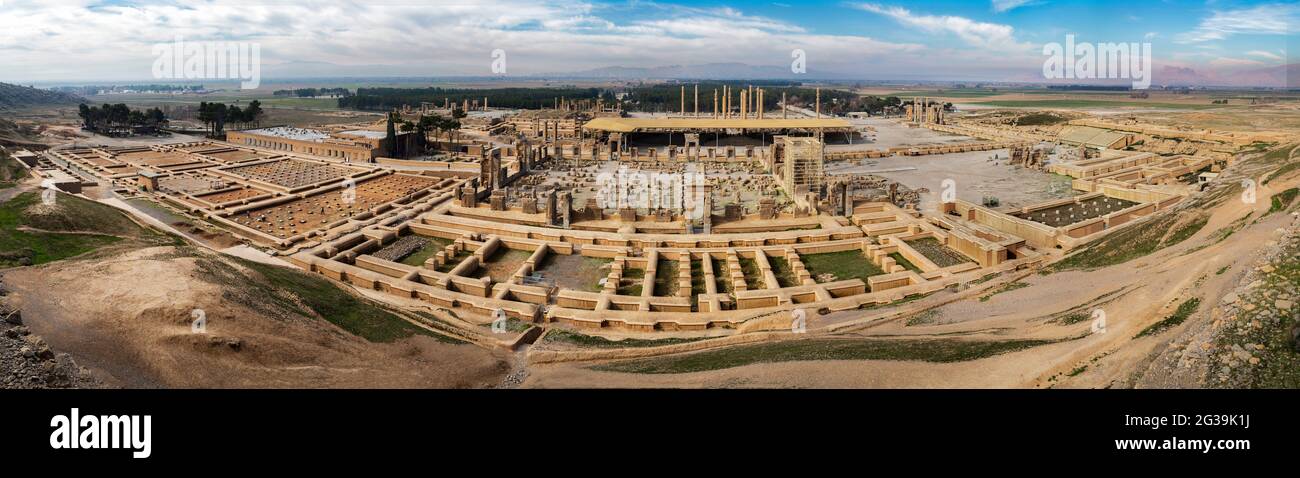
x=215, y=116
x=416, y=144
x=12, y=96
x=381, y=99
x=119, y=120
x=314, y=92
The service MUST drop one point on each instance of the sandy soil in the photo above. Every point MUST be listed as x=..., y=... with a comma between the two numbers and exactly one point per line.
x=128, y=316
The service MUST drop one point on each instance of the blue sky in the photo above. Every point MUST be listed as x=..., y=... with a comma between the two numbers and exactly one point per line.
x=1210, y=41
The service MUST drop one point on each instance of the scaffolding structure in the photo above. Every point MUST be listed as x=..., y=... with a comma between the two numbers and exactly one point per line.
x=804, y=159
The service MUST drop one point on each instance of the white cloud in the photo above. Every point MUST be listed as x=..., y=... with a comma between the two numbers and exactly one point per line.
x=1265, y=55
x=988, y=36
x=1272, y=19
x=82, y=40
x=1234, y=63
x=1005, y=5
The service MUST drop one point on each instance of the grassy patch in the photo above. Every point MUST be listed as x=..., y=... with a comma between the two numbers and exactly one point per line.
x=1281, y=155
x=666, y=278
x=1135, y=241
x=938, y=253
x=455, y=260
x=1005, y=288
x=697, y=278
x=902, y=261
x=784, y=273
x=924, y=318
x=1184, y=311
x=844, y=265
x=561, y=336
x=513, y=325
x=1040, y=119
x=1282, y=201
x=928, y=350
x=11, y=173
x=417, y=258
x=102, y=225
x=634, y=278
x=314, y=296
x=753, y=277
x=722, y=275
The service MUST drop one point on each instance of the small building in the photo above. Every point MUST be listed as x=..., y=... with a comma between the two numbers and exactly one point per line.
x=350, y=145
x=148, y=180
x=26, y=157
x=1092, y=137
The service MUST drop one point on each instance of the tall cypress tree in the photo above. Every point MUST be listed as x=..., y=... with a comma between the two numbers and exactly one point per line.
x=390, y=139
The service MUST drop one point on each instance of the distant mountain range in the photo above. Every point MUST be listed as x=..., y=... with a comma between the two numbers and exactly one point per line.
x=704, y=71
x=1276, y=77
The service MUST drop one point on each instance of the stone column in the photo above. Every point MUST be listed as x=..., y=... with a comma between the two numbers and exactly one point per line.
x=551, y=205
x=566, y=209
x=819, y=103
x=744, y=102
x=683, y=100
x=749, y=106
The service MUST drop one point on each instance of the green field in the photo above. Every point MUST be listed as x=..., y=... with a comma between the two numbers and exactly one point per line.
x=965, y=93
x=1061, y=103
x=280, y=290
x=70, y=227
x=1184, y=311
x=665, y=278
x=435, y=245
x=1134, y=241
x=310, y=103
x=11, y=173
x=926, y=350
x=561, y=336
x=784, y=274
x=843, y=265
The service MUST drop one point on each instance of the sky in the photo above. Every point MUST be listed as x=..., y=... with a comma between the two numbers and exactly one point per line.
x=1216, y=41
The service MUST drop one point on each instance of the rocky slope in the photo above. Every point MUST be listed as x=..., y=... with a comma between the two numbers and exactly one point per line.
x=26, y=361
